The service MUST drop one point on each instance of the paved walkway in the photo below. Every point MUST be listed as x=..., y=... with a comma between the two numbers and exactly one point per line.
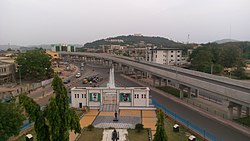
x=88, y=118
x=132, y=113
x=107, y=134
x=149, y=120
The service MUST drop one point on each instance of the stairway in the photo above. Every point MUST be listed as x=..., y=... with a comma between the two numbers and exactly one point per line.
x=109, y=108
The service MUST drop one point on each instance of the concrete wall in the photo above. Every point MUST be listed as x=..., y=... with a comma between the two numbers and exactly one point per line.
x=75, y=100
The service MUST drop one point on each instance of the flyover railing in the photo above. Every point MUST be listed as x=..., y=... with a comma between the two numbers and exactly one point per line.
x=195, y=128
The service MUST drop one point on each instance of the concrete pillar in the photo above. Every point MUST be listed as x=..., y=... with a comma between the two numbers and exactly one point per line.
x=153, y=81
x=181, y=94
x=136, y=74
x=159, y=81
x=189, y=92
x=166, y=82
x=230, y=112
x=239, y=110
x=247, y=111
x=197, y=92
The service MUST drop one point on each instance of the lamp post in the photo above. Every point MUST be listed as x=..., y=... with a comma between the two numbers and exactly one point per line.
x=212, y=68
x=20, y=79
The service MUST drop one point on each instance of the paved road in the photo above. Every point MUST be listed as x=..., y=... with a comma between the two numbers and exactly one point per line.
x=213, y=126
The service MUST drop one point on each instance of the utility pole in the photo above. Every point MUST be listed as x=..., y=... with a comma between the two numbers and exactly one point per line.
x=212, y=68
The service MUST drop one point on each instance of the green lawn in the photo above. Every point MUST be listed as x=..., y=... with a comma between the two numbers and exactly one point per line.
x=182, y=135
x=171, y=90
x=133, y=135
x=94, y=135
x=245, y=121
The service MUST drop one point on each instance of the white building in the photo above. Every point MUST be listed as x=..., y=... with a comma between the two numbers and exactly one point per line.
x=63, y=47
x=121, y=97
x=166, y=56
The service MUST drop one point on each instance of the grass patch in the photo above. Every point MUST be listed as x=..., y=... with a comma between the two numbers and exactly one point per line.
x=79, y=113
x=245, y=121
x=94, y=135
x=133, y=135
x=173, y=91
x=182, y=135
x=170, y=90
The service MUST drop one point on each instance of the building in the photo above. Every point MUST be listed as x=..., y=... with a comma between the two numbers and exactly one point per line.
x=7, y=70
x=63, y=47
x=120, y=97
x=112, y=48
x=54, y=55
x=115, y=40
x=166, y=56
x=124, y=97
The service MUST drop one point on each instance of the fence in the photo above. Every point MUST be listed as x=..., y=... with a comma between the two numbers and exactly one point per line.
x=202, y=132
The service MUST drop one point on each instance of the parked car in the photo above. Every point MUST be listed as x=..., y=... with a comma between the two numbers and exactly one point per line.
x=66, y=81
x=78, y=75
x=85, y=81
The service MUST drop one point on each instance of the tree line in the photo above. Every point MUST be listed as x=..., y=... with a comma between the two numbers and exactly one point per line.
x=215, y=58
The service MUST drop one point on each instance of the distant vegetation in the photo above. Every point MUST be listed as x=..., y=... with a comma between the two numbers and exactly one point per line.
x=131, y=40
x=216, y=57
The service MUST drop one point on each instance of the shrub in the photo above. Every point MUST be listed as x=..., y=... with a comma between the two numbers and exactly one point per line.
x=139, y=127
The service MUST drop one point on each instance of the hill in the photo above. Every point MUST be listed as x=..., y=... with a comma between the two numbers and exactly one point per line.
x=225, y=41
x=132, y=40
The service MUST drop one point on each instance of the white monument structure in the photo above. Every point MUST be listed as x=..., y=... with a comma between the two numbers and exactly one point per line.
x=110, y=98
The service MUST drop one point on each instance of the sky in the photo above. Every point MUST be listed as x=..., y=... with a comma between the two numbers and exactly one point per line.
x=32, y=22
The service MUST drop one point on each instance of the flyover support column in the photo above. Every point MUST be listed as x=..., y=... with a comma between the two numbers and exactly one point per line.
x=197, y=92
x=160, y=82
x=189, y=92
x=230, y=112
x=247, y=111
x=239, y=110
x=181, y=94
x=153, y=80
x=166, y=82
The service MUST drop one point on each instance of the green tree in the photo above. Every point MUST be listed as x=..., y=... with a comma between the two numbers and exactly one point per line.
x=36, y=115
x=54, y=122
x=230, y=57
x=160, y=134
x=61, y=118
x=11, y=120
x=34, y=65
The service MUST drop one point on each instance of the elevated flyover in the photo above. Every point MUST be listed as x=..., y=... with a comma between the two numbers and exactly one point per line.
x=237, y=93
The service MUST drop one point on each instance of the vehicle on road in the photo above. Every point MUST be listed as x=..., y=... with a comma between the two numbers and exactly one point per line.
x=66, y=81
x=85, y=81
x=78, y=75
x=82, y=69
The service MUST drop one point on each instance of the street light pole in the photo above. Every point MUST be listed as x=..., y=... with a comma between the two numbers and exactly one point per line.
x=212, y=68
x=20, y=79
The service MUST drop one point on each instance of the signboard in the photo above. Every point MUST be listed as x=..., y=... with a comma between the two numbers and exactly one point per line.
x=95, y=97
x=125, y=97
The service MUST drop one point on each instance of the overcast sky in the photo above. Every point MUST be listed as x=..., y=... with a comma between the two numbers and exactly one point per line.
x=29, y=22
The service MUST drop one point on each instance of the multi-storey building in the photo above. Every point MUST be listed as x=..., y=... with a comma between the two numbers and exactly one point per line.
x=166, y=56
x=7, y=71
x=63, y=47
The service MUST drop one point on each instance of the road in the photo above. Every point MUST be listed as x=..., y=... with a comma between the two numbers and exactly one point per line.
x=213, y=126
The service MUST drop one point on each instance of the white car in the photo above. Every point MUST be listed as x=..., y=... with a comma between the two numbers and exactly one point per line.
x=78, y=75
